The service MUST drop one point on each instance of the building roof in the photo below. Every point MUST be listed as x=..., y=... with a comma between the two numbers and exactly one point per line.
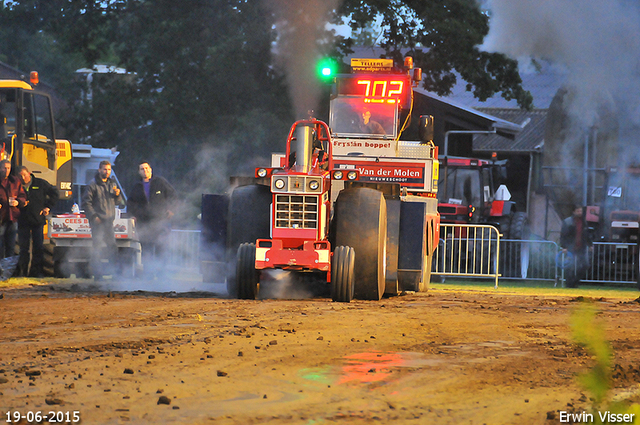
x=473, y=119
x=529, y=139
x=542, y=82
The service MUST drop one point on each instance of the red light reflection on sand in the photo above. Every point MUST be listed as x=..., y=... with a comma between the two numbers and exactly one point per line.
x=370, y=367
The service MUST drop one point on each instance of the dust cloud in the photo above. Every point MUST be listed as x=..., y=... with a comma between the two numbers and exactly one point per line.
x=301, y=32
x=595, y=117
x=596, y=41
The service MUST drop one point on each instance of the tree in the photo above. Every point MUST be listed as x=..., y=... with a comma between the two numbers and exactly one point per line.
x=202, y=73
x=443, y=37
x=203, y=76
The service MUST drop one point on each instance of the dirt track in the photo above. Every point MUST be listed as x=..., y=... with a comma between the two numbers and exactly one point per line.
x=442, y=357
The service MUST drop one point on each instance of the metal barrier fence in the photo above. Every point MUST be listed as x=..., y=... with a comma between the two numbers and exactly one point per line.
x=468, y=251
x=478, y=251
x=611, y=262
x=529, y=259
x=183, y=249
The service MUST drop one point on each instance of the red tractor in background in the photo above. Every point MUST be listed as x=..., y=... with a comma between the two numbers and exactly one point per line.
x=347, y=201
x=616, y=217
x=467, y=194
x=615, y=220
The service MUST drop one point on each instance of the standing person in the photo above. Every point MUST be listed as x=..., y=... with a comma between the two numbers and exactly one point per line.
x=12, y=197
x=575, y=239
x=99, y=203
x=41, y=198
x=152, y=203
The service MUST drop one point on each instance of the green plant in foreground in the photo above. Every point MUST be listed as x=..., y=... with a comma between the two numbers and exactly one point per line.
x=590, y=333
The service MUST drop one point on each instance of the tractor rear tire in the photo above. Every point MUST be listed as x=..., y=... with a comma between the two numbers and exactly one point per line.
x=248, y=220
x=361, y=223
x=519, y=227
x=342, y=274
x=246, y=274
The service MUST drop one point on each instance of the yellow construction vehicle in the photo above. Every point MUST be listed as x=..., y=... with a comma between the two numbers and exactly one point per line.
x=27, y=134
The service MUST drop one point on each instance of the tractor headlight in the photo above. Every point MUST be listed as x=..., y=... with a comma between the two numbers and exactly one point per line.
x=314, y=185
x=262, y=172
x=352, y=175
x=337, y=175
x=279, y=183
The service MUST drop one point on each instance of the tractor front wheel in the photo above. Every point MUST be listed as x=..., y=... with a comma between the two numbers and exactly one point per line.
x=342, y=274
x=248, y=220
x=247, y=276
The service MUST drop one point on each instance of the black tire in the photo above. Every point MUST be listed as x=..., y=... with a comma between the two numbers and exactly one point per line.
x=361, y=223
x=83, y=271
x=503, y=226
x=342, y=274
x=519, y=227
x=518, y=230
x=48, y=262
x=246, y=274
x=248, y=220
x=61, y=267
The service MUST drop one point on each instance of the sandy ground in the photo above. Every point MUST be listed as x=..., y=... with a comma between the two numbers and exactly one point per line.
x=116, y=355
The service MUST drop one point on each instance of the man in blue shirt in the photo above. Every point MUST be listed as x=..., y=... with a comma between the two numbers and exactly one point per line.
x=152, y=201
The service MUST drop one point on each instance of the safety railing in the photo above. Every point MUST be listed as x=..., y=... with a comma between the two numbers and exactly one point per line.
x=183, y=249
x=467, y=250
x=529, y=259
x=478, y=251
x=611, y=262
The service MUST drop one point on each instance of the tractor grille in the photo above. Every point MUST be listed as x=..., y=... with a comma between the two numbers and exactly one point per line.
x=296, y=212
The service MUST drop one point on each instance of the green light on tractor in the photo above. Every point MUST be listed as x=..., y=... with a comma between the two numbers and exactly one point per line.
x=327, y=69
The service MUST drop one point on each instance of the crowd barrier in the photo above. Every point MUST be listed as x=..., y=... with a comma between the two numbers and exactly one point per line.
x=478, y=251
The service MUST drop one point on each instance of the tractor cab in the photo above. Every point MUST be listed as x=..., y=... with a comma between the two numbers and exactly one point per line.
x=352, y=117
x=27, y=134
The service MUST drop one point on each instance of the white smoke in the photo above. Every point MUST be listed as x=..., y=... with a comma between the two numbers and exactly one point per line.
x=301, y=26
x=597, y=41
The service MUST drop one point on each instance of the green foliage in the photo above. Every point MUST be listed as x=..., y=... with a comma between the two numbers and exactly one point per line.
x=590, y=333
x=443, y=37
x=366, y=36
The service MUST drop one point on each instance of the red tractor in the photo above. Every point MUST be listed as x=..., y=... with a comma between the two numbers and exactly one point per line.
x=343, y=202
x=467, y=194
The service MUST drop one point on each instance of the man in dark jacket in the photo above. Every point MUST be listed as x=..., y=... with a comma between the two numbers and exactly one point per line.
x=152, y=202
x=575, y=239
x=12, y=197
x=41, y=198
x=99, y=204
